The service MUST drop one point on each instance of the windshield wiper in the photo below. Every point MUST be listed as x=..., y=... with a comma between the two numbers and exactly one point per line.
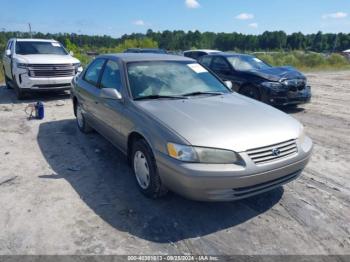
x=198, y=93
x=159, y=97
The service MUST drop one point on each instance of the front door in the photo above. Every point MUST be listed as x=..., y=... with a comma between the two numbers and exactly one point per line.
x=110, y=111
x=88, y=91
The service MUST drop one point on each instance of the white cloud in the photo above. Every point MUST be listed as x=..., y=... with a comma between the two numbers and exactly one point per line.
x=192, y=3
x=253, y=25
x=337, y=15
x=139, y=22
x=244, y=16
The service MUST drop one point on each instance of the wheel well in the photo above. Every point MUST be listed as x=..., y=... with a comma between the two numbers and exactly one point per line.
x=134, y=136
x=249, y=84
x=75, y=102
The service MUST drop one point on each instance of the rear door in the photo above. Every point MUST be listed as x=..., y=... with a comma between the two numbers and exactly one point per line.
x=222, y=68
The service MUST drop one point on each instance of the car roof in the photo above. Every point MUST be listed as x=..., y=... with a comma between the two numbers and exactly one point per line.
x=203, y=50
x=229, y=54
x=34, y=40
x=141, y=57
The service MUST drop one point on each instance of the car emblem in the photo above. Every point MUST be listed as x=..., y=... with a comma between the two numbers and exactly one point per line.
x=276, y=152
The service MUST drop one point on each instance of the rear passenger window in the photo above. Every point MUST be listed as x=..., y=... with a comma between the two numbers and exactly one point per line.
x=188, y=54
x=206, y=61
x=195, y=55
x=219, y=63
x=93, y=72
x=111, y=76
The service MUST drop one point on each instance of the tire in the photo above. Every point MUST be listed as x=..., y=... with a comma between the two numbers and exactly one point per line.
x=145, y=170
x=19, y=92
x=7, y=81
x=82, y=124
x=250, y=91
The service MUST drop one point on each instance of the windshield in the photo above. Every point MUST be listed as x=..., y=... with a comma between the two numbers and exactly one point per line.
x=39, y=48
x=247, y=63
x=171, y=79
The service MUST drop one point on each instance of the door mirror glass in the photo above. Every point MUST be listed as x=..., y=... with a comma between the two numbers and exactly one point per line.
x=71, y=53
x=8, y=52
x=110, y=93
x=229, y=84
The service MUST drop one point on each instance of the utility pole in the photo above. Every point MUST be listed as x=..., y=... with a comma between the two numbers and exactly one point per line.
x=335, y=43
x=30, y=30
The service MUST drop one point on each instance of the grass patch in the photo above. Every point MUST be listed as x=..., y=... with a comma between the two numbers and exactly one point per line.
x=306, y=61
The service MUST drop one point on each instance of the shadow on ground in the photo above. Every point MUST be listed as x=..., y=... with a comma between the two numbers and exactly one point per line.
x=8, y=96
x=100, y=175
x=292, y=109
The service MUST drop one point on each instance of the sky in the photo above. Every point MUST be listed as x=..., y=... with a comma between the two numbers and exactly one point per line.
x=118, y=17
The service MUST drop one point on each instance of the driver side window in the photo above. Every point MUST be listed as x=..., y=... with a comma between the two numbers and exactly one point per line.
x=93, y=72
x=111, y=76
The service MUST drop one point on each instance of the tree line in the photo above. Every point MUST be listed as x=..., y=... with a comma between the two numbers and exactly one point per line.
x=181, y=40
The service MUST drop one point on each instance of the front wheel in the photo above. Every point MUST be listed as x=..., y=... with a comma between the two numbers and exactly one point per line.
x=19, y=91
x=145, y=170
x=81, y=121
x=7, y=81
x=250, y=91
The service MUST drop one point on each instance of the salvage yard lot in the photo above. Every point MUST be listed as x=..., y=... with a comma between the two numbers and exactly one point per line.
x=62, y=192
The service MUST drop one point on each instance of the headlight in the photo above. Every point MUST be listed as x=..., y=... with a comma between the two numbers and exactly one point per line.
x=22, y=65
x=302, y=135
x=202, y=154
x=276, y=86
x=183, y=153
x=78, y=67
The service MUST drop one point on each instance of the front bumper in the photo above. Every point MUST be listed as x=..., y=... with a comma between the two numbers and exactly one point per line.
x=28, y=84
x=288, y=97
x=218, y=182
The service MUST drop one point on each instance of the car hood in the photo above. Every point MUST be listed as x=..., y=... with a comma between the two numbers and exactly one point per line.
x=278, y=73
x=46, y=59
x=230, y=121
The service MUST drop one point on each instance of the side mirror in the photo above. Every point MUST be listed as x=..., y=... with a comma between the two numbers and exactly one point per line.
x=8, y=52
x=229, y=84
x=110, y=93
x=71, y=53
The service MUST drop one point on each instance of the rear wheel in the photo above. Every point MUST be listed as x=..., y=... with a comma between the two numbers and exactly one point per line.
x=145, y=170
x=81, y=120
x=250, y=91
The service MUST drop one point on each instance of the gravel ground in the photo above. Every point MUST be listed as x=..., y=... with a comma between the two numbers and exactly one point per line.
x=62, y=192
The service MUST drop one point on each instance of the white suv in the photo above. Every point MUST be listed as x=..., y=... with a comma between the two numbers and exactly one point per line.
x=38, y=65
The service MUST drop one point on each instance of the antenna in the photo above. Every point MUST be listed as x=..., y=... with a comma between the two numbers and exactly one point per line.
x=30, y=30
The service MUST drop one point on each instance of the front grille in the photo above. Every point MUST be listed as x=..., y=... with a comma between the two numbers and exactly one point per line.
x=244, y=191
x=51, y=70
x=272, y=153
x=53, y=85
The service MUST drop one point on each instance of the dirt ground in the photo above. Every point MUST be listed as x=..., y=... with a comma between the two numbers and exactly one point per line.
x=62, y=192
